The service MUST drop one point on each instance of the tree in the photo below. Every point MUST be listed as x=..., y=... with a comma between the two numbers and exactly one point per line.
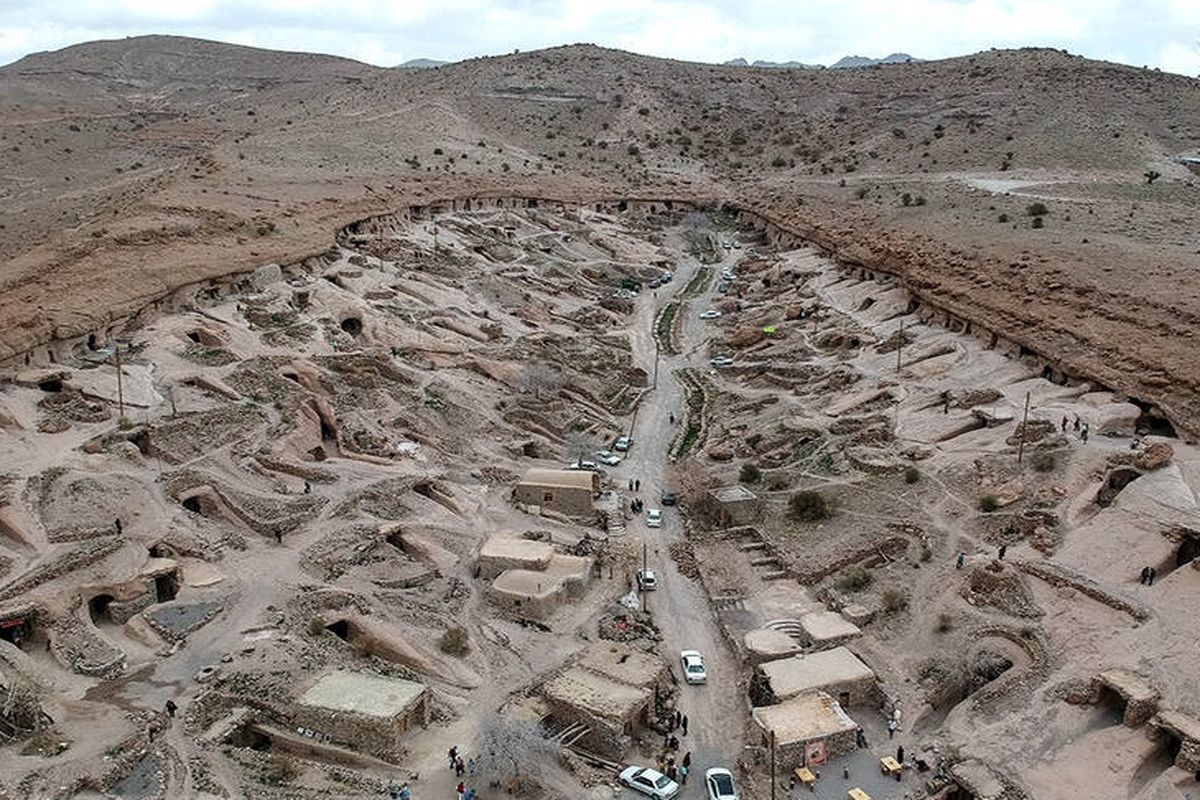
x=809, y=506
x=540, y=377
x=1151, y=176
x=514, y=751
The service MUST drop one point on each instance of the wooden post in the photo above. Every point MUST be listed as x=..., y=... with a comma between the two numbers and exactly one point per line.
x=773, y=781
x=1024, y=428
x=120, y=385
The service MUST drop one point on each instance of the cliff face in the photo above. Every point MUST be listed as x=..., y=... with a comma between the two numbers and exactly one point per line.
x=137, y=167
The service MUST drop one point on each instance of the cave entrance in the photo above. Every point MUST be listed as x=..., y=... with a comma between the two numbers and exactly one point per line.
x=1152, y=422
x=159, y=550
x=98, y=609
x=91, y=342
x=425, y=489
x=51, y=385
x=246, y=736
x=352, y=325
x=1112, y=708
x=396, y=540
x=192, y=504
x=328, y=434
x=529, y=450
x=15, y=630
x=1116, y=482
x=195, y=337
x=1189, y=550
x=166, y=587
x=340, y=629
x=141, y=440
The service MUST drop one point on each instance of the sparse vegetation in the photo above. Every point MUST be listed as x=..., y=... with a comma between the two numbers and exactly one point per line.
x=809, y=506
x=455, y=642
x=855, y=578
x=945, y=623
x=988, y=503
x=911, y=474
x=750, y=473
x=1037, y=209
x=1044, y=462
x=894, y=600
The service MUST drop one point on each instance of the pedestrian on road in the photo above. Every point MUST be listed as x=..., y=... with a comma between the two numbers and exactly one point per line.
x=470, y=795
x=459, y=767
x=1003, y=550
x=278, y=537
x=1085, y=432
x=452, y=754
x=687, y=759
x=471, y=766
x=900, y=754
x=405, y=792
x=117, y=525
x=674, y=744
x=684, y=724
x=631, y=484
x=678, y=718
x=891, y=728
x=171, y=708
x=307, y=487
x=1145, y=575
x=461, y=789
x=637, y=485
x=1076, y=422
x=672, y=772
x=845, y=773
x=683, y=772
x=1152, y=576
x=958, y=562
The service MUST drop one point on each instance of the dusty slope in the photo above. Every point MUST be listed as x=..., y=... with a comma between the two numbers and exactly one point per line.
x=138, y=166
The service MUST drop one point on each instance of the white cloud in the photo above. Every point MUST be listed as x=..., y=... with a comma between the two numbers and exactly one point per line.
x=1153, y=32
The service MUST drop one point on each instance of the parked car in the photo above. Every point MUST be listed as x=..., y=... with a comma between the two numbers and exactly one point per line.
x=647, y=580
x=719, y=783
x=669, y=498
x=712, y=313
x=582, y=464
x=667, y=277
x=723, y=287
x=654, y=518
x=623, y=443
x=721, y=361
x=728, y=245
x=608, y=458
x=649, y=782
x=693, y=666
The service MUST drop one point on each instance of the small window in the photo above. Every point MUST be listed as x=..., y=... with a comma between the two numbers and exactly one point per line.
x=547, y=497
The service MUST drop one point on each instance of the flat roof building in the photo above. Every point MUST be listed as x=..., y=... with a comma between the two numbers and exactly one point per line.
x=735, y=505
x=808, y=729
x=367, y=712
x=567, y=491
x=838, y=672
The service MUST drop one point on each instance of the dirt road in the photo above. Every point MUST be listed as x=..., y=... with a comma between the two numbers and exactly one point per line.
x=716, y=711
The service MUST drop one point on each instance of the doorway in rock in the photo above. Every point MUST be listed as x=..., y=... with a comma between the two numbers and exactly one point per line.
x=166, y=587
x=98, y=609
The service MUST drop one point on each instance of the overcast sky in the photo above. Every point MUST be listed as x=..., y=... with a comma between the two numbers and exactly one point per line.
x=1158, y=33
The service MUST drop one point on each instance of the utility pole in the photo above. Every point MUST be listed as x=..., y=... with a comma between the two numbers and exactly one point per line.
x=773, y=781
x=1024, y=428
x=656, y=362
x=640, y=586
x=120, y=385
x=633, y=419
x=900, y=345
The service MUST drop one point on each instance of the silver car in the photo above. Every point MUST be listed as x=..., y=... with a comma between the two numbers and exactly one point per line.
x=719, y=783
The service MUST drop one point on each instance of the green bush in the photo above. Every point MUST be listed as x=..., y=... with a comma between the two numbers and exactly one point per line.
x=945, y=622
x=855, y=578
x=750, y=474
x=1044, y=462
x=894, y=600
x=1037, y=210
x=316, y=626
x=455, y=642
x=777, y=483
x=809, y=506
x=988, y=503
x=1002, y=218
x=911, y=474
x=1037, y=223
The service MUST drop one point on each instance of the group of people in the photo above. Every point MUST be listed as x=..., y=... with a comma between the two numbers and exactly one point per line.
x=460, y=768
x=1082, y=428
x=666, y=761
x=1148, y=576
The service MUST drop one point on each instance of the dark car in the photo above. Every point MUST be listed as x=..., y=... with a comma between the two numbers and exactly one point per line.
x=669, y=498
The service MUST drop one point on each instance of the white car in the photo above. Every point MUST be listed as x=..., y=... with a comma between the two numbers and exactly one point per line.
x=581, y=464
x=719, y=783
x=623, y=443
x=721, y=361
x=649, y=782
x=712, y=313
x=647, y=580
x=608, y=458
x=693, y=666
x=654, y=518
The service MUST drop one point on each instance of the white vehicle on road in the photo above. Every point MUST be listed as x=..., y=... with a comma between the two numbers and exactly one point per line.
x=649, y=782
x=623, y=443
x=693, y=666
x=712, y=313
x=719, y=783
x=721, y=361
x=647, y=580
x=581, y=464
x=654, y=518
x=608, y=458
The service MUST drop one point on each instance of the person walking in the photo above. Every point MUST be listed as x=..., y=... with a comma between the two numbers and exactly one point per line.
x=1064, y=423
x=470, y=795
x=452, y=754
x=171, y=708
x=1076, y=424
x=405, y=792
x=117, y=524
x=891, y=728
x=674, y=744
x=1145, y=576
x=671, y=418
x=1150, y=578
x=684, y=724
x=958, y=562
x=471, y=766
x=459, y=767
x=631, y=484
x=1087, y=430
x=687, y=759
x=900, y=754
x=461, y=789
x=1003, y=550
x=637, y=485
x=678, y=718
x=683, y=773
